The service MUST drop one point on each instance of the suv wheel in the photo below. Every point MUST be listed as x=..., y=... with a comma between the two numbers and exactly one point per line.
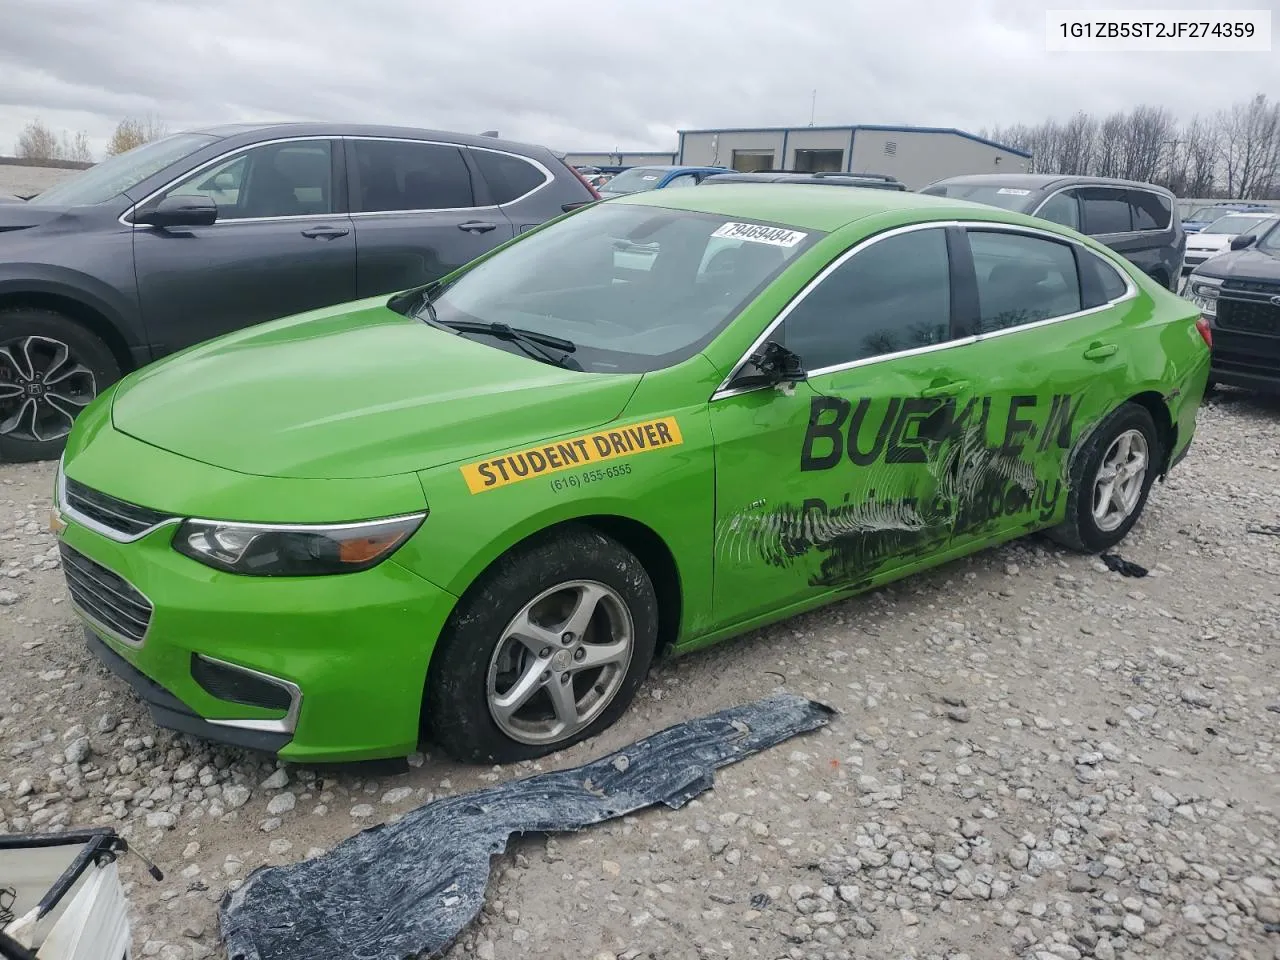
x=50, y=370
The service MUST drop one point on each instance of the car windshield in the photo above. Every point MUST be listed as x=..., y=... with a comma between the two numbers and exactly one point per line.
x=1270, y=241
x=1010, y=198
x=636, y=180
x=634, y=287
x=112, y=177
x=1235, y=225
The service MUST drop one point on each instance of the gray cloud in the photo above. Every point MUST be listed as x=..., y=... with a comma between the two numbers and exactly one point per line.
x=576, y=75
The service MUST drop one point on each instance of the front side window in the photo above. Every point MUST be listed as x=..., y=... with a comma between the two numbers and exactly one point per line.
x=410, y=175
x=1063, y=208
x=692, y=274
x=121, y=173
x=289, y=179
x=1149, y=211
x=892, y=295
x=1022, y=279
x=1105, y=211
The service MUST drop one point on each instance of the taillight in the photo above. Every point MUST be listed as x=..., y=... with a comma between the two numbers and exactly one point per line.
x=1205, y=331
x=582, y=180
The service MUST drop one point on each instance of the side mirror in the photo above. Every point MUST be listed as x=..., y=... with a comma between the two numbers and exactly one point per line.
x=771, y=365
x=1242, y=241
x=183, y=210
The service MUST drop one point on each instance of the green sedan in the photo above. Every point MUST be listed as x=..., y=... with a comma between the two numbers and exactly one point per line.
x=477, y=511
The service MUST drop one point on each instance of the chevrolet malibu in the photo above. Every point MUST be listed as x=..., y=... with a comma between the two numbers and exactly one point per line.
x=476, y=511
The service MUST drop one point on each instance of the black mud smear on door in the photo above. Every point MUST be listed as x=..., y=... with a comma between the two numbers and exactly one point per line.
x=407, y=889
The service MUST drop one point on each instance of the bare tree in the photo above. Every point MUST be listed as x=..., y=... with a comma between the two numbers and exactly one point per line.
x=1249, y=147
x=38, y=142
x=134, y=131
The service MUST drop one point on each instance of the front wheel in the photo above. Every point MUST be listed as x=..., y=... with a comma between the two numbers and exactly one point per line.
x=1111, y=477
x=50, y=369
x=548, y=648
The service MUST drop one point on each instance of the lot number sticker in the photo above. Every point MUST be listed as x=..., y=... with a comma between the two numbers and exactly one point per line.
x=755, y=233
x=590, y=448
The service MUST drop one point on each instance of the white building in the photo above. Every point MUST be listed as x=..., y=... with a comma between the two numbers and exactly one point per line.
x=915, y=155
x=625, y=158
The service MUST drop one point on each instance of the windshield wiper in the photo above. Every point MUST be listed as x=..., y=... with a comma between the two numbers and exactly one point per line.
x=530, y=341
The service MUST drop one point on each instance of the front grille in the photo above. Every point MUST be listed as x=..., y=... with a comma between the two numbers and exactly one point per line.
x=237, y=686
x=1268, y=288
x=105, y=597
x=1250, y=316
x=125, y=518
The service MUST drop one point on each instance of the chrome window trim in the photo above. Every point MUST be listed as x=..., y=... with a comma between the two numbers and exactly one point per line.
x=1130, y=292
x=548, y=178
x=123, y=218
x=71, y=513
x=286, y=724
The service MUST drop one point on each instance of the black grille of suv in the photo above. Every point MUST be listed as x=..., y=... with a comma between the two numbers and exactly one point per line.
x=1249, y=316
x=123, y=517
x=105, y=597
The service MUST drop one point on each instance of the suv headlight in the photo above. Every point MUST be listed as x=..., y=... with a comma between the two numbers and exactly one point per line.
x=294, y=550
x=1205, y=291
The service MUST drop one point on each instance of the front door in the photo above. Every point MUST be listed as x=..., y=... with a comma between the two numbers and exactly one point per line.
x=282, y=244
x=826, y=487
x=416, y=213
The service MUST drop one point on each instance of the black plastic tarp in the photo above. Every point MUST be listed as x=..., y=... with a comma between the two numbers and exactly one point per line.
x=407, y=889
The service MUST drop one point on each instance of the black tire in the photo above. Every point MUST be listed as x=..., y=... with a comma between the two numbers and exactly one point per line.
x=457, y=711
x=1080, y=530
x=22, y=442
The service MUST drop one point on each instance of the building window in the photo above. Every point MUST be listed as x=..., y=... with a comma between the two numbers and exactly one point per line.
x=891, y=148
x=816, y=161
x=752, y=161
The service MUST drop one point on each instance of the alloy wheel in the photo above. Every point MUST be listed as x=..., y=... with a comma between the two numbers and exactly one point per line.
x=43, y=388
x=560, y=662
x=1118, y=486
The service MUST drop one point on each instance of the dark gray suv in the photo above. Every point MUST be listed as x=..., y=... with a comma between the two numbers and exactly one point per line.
x=207, y=231
x=1139, y=221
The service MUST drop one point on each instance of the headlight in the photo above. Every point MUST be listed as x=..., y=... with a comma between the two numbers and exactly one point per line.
x=1204, y=291
x=294, y=550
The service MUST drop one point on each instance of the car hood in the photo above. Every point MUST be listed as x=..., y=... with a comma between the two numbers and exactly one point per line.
x=1243, y=265
x=1209, y=241
x=355, y=391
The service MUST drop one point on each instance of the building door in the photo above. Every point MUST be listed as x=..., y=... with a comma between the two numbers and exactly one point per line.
x=820, y=161
x=752, y=161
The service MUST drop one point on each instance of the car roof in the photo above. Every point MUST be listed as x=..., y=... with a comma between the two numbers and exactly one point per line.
x=330, y=129
x=1042, y=181
x=801, y=205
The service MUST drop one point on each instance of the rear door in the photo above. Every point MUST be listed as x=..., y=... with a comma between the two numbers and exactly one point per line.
x=282, y=244
x=1051, y=355
x=420, y=211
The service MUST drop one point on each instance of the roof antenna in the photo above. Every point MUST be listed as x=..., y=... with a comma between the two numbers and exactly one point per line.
x=813, y=107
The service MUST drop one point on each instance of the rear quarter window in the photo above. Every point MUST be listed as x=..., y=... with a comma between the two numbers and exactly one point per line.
x=1150, y=210
x=508, y=176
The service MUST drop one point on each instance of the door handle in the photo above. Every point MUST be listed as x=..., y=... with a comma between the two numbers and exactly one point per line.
x=945, y=389
x=325, y=232
x=1100, y=351
x=477, y=226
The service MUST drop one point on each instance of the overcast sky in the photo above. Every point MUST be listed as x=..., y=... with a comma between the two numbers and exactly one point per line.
x=578, y=75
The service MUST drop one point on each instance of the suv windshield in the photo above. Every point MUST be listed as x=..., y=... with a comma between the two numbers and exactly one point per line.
x=1235, y=225
x=635, y=180
x=1009, y=198
x=1270, y=241
x=635, y=288
x=110, y=178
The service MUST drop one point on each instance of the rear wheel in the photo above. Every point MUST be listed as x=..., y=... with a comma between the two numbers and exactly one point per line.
x=548, y=648
x=1111, y=477
x=50, y=369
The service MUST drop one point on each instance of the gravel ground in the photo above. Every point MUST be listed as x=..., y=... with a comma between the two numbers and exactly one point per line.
x=1035, y=757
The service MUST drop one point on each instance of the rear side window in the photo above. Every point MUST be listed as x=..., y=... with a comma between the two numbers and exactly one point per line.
x=1022, y=279
x=1099, y=280
x=894, y=295
x=508, y=176
x=410, y=175
x=1150, y=210
x=1105, y=211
